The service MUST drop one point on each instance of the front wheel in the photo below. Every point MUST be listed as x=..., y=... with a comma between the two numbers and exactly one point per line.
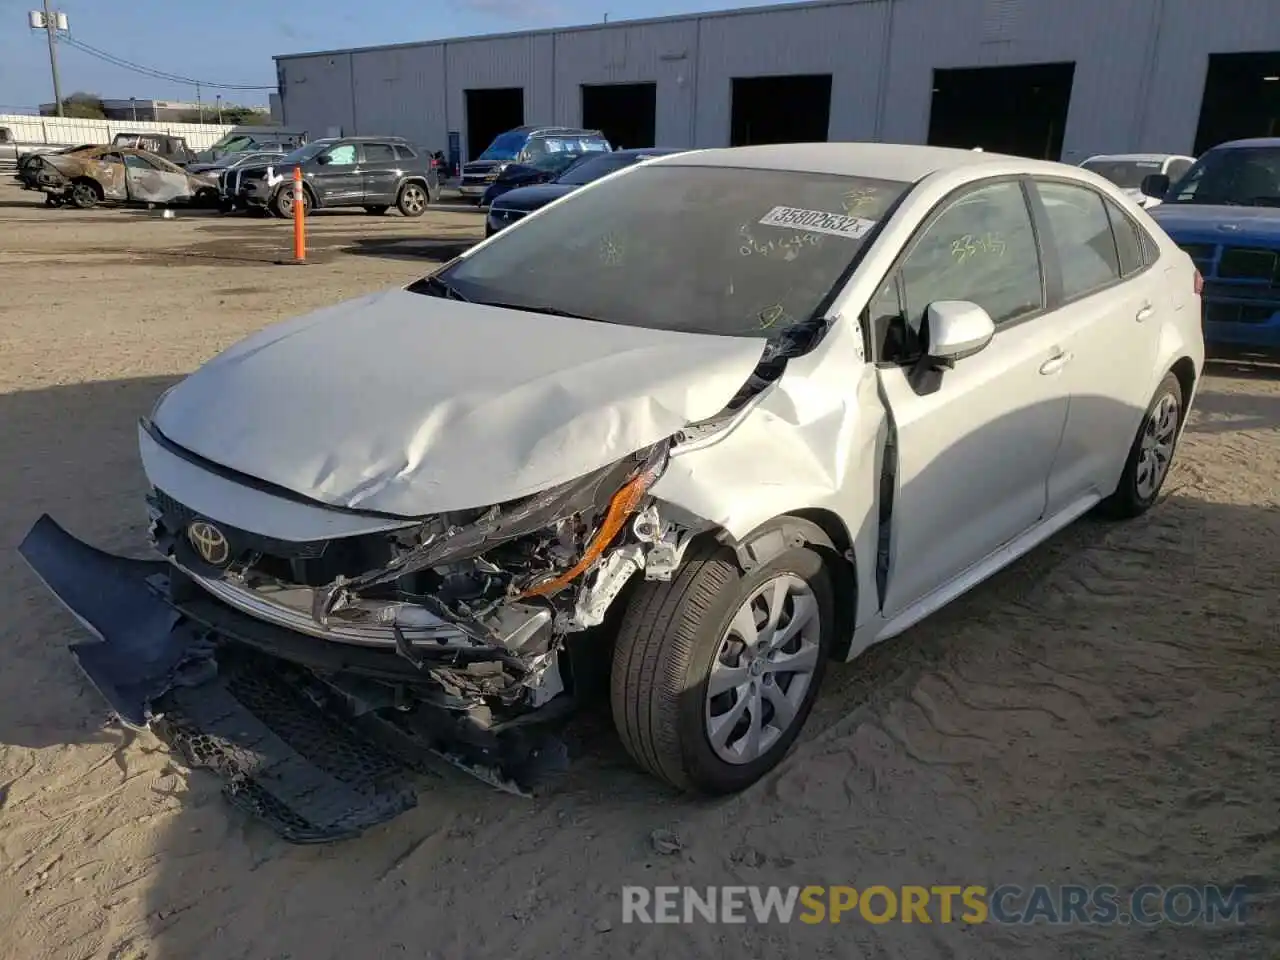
x=715, y=672
x=282, y=203
x=412, y=201
x=1151, y=454
x=85, y=195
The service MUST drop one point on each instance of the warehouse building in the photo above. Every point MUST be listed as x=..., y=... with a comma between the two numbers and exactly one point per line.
x=1060, y=79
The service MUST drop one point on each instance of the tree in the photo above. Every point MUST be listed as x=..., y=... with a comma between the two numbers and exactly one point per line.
x=84, y=106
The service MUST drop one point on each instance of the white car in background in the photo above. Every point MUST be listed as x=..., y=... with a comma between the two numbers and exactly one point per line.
x=1128, y=170
x=718, y=419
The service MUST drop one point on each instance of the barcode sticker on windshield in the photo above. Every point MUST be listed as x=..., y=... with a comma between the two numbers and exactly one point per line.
x=818, y=221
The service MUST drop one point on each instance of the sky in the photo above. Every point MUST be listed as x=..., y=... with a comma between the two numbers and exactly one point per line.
x=233, y=41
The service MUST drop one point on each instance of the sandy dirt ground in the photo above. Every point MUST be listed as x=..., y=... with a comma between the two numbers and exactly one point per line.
x=1104, y=712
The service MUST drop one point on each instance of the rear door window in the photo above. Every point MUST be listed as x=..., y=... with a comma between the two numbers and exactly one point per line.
x=379, y=153
x=1081, y=235
x=404, y=153
x=1130, y=239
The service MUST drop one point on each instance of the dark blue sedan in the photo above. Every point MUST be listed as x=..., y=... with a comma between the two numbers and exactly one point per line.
x=521, y=202
x=541, y=170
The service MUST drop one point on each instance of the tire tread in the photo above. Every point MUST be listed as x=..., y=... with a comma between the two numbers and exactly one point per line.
x=649, y=664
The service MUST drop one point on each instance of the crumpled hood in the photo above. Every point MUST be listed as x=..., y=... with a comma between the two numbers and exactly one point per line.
x=410, y=405
x=1223, y=223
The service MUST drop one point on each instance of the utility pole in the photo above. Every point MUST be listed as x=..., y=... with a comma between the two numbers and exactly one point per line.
x=51, y=22
x=219, y=108
x=199, y=104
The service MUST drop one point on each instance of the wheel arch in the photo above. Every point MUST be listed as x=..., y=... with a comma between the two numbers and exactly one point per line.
x=94, y=184
x=417, y=178
x=312, y=198
x=820, y=530
x=1184, y=368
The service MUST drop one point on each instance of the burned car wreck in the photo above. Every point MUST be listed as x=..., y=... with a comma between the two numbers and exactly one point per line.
x=87, y=177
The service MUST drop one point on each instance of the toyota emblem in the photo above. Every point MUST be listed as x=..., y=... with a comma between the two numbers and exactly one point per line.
x=209, y=542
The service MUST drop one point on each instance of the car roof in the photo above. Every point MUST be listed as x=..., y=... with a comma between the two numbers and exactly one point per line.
x=646, y=152
x=539, y=131
x=1251, y=142
x=878, y=161
x=1136, y=157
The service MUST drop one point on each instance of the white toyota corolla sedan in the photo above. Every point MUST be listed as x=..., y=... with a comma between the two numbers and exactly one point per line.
x=716, y=419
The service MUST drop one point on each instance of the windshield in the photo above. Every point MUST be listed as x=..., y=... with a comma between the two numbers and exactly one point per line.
x=233, y=142
x=1127, y=174
x=595, y=168
x=505, y=146
x=1235, y=176
x=698, y=249
x=303, y=154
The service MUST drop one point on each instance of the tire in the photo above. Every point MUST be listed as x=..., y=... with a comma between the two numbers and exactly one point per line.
x=282, y=202
x=377, y=210
x=84, y=195
x=53, y=200
x=1153, y=448
x=412, y=200
x=674, y=635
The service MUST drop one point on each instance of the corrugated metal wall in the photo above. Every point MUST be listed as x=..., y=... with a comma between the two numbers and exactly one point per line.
x=661, y=53
x=1187, y=32
x=1140, y=67
x=69, y=130
x=845, y=41
x=1103, y=37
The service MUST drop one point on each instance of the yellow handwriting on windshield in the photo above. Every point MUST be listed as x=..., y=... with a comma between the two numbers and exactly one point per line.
x=790, y=247
x=976, y=245
x=859, y=198
x=610, y=252
x=769, y=316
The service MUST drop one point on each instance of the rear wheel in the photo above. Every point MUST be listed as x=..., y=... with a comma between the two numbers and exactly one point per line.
x=715, y=672
x=85, y=194
x=1151, y=455
x=377, y=210
x=412, y=201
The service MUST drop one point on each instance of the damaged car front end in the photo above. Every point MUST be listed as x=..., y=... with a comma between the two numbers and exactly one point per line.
x=397, y=530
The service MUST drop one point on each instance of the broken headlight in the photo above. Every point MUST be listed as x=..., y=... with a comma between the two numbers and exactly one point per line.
x=534, y=546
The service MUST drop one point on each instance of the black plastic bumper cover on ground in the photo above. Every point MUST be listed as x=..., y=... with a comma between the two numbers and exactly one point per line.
x=308, y=772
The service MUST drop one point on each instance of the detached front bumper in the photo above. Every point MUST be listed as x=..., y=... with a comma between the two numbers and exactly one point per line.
x=318, y=738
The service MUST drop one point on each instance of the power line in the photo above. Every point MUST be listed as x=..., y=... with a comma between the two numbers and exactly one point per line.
x=152, y=71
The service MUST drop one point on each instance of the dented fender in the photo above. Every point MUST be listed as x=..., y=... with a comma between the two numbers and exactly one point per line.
x=812, y=440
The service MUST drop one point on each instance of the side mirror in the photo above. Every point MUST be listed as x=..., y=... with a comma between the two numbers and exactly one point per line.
x=956, y=329
x=1155, y=184
x=323, y=159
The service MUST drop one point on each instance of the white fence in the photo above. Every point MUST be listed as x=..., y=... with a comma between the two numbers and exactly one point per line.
x=67, y=131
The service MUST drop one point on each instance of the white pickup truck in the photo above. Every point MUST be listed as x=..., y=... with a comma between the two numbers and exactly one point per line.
x=12, y=149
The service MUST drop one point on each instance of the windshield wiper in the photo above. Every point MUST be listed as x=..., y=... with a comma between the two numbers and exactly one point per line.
x=438, y=287
x=538, y=308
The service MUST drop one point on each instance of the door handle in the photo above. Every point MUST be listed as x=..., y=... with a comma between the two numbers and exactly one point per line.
x=1055, y=364
x=1144, y=313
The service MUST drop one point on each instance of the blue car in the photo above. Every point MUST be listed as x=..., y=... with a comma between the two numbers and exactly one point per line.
x=1225, y=213
x=542, y=170
x=519, y=203
x=525, y=145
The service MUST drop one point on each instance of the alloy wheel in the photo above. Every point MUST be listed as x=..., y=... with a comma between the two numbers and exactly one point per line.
x=1159, y=434
x=762, y=669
